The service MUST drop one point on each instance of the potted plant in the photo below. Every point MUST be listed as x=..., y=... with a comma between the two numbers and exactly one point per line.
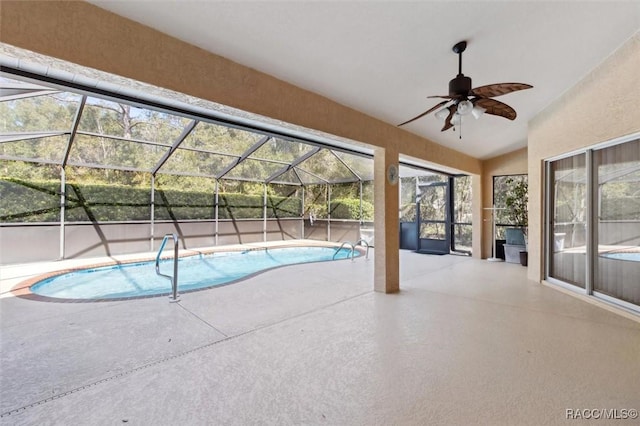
x=516, y=202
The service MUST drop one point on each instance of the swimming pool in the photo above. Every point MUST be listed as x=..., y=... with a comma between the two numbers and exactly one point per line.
x=195, y=272
x=633, y=256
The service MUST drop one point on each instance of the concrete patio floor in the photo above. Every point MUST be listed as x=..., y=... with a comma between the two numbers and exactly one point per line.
x=465, y=342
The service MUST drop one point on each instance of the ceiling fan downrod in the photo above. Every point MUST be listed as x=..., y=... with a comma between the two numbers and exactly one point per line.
x=460, y=86
x=459, y=48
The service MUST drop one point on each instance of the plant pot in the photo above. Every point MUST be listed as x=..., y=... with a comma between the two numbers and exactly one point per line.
x=515, y=236
x=524, y=258
x=511, y=253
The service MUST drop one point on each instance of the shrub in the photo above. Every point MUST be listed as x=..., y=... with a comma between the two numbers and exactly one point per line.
x=349, y=208
x=22, y=201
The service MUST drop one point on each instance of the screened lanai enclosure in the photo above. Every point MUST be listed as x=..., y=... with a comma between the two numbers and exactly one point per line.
x=84, y=174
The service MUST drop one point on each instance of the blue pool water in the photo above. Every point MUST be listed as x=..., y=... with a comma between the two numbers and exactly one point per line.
x=194, y=272
x=635, y=256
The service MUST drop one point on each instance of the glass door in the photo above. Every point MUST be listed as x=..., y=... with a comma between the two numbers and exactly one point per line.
x=567, y=251
x=461, y=226
x=434, y=218
x=593, y=221
x=617, y=205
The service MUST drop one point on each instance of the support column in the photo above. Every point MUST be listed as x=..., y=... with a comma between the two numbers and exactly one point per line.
x=386, y=221
x=63, y=197
x=152, y=212
x=477, y=218
x=216, y=213
x=302, y=216
x=264, y=213
x=328, y=212
x=361, y=221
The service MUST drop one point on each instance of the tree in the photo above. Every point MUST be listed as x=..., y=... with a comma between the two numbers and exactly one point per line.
x=516, y=201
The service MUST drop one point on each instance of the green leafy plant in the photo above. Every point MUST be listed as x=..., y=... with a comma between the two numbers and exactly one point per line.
x=349, y=208
x=516, y=202
x=39, y=201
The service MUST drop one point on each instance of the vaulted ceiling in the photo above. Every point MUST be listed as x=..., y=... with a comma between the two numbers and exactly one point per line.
x=385, y=57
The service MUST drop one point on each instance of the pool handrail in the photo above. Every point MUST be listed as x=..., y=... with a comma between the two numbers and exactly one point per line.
x=364, y=243
x=349, y=243
x=174, y=278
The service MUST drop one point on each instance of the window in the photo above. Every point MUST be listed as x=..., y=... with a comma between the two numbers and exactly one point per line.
x=501, y=185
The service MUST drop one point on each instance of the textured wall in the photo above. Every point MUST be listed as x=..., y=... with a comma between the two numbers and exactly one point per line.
x=602, y=106
x=386, y=225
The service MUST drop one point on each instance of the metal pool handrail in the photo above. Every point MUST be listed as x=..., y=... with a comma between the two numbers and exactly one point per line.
x=362, y=242
x=353, y=249
x=174, y=278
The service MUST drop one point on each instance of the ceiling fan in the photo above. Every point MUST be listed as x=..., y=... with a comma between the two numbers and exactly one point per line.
x=463, y=100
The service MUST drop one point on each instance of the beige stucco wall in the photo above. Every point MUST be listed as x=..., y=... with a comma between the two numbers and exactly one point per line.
x=508, y=164
x=386, y=226
x=602, y=106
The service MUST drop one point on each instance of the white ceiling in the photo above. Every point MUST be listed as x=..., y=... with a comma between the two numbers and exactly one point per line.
x=385, y=57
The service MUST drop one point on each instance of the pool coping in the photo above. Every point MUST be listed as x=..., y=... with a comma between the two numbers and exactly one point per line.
x=23, y=288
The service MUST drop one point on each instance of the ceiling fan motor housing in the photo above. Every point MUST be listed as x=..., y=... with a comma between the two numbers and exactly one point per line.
x=460, y=86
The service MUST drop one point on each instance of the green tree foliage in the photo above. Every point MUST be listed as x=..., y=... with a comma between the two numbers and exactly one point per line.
x=502, y=186
x=462, y=215
x=620, y=199
x=29, y=171
x=349, y=208
x=24, y=201
x=516, y=201
x=117, y=146
x=53, y=113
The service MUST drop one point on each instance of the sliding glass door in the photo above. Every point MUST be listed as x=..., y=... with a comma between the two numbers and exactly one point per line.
x=593, y=221
x=568, y=245
x=617, y=271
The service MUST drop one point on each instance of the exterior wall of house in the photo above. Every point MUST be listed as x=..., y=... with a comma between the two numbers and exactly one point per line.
x=602, y=106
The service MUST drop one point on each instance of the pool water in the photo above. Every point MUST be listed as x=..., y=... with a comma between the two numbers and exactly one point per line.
x=194, y=272
x=634, y=256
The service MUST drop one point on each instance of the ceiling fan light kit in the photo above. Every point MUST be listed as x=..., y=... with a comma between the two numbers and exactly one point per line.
x=465, y=107
x=442, y=114
x=477, y=112
x=463, y=100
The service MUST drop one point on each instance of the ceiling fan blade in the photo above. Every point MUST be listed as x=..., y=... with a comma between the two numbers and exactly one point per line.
x=496, y=108
x=435, y=107
x=498, y=89
x=441, y=97
x=447, y=122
